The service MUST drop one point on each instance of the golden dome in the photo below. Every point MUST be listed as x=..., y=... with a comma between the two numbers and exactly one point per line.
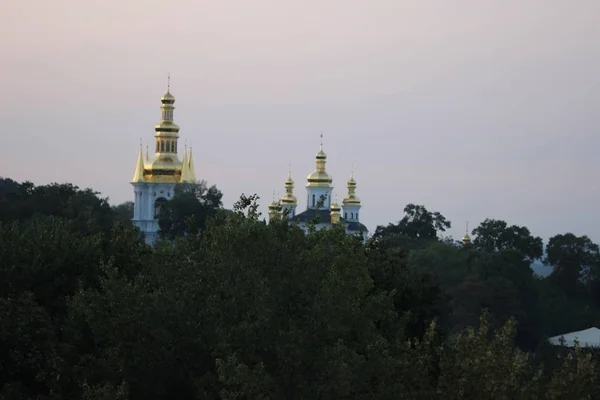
x=466, y=239
x=168, y=98
x=319, y=177
x=289, y=181
x=321, y=154
x=352, y=199
x=335, y=207
x=289, y=198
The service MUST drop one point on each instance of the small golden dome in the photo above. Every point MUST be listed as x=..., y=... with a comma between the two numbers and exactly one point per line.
x=351, y=181
x=321, y=154
x=352, y=199
x=466, y=239
x=288, y=198
x=168, y=98
x=335, y=207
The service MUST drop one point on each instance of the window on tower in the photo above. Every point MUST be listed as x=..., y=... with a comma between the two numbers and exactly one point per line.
x=314, y=202
x=158, y=206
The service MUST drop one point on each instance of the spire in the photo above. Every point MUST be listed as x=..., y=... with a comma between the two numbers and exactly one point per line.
x=466, y=239
x=191, y=166
x=138, y=176
x=185, y=167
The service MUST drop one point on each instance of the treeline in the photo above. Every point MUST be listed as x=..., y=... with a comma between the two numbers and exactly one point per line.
x=230, y=307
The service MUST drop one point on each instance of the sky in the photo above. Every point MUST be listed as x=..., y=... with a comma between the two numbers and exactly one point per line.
x=474, y=108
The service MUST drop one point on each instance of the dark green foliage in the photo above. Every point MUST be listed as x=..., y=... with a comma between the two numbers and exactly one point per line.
x=418, y=223
x=124, y=213
x=575, y=260
x=187, y=213
x=249, y=310
x=495, y=235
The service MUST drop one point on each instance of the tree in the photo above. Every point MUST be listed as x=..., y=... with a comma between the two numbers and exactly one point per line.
x=495, y=235
x=188, y=211
x=28, y=349
x=85, y=211
x=124, y=213
x=44, y=256
x=418, y=223
x=573, y=258
x=475, y=367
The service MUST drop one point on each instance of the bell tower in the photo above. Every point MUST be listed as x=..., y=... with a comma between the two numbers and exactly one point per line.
x=155, y=177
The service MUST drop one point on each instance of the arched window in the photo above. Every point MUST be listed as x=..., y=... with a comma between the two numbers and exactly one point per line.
x=351, y=215
x=345, y=215
x=357, y=215
x=158, y=206
x=314, y=202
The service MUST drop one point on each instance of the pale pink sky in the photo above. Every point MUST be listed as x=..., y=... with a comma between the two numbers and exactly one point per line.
x=474, y=108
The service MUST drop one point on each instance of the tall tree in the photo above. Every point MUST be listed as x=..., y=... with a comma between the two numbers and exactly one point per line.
x=418, y=223
x=124, y=213
x=573, y=258
x=187, y=212
x=84, y=210
x=496, y=235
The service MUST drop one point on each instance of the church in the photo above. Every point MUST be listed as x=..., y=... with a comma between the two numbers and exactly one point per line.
x=319, y=205
x=155, y=177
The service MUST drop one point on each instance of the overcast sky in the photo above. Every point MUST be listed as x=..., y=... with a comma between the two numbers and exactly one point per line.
x=474, y=108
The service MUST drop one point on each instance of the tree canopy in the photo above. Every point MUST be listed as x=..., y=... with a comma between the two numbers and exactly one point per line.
x=230, y=307
x=418, y=223
x=188, y=211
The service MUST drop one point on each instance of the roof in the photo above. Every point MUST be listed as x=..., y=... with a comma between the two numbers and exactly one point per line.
x=587, y=338
x=324, y=217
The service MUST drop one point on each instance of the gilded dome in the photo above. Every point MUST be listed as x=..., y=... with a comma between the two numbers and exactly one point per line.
x=352, y=199
x=319, y=177
x=466, y=239
x=168, y=98
x=321, y=154
x=335, y=207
